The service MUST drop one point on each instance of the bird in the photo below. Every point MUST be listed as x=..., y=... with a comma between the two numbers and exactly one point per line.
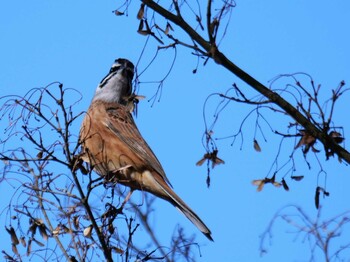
x=112, y=144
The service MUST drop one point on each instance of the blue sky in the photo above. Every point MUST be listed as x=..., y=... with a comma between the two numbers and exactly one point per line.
x=75, y=42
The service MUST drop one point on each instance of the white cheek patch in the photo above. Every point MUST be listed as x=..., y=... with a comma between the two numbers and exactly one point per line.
x=105, y=80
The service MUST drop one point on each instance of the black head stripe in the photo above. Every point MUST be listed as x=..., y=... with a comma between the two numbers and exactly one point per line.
x=125, y=62
x=119, y=63
x=115, y=68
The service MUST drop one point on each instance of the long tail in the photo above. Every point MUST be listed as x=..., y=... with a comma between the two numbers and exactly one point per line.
x=193, y=217
x=172, y=197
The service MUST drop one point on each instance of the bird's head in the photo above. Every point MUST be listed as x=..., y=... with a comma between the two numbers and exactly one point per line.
x=116, y=86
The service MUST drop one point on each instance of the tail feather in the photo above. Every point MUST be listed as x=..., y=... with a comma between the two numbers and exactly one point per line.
x=195, y=220
x=173, y=198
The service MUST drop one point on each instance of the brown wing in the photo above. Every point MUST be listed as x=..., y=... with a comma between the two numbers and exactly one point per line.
x=116, y=127
x=111, y=140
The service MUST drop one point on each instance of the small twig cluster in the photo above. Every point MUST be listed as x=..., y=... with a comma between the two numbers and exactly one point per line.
x=57, y=193
x=320, y=234
x=308, y=113
x=315, y=105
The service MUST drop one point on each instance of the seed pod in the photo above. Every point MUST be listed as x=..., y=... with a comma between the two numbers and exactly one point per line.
x=38, y=242
x=284, y=184
x=256, y=146
x=141, y=12
x=13, y=235
x=76, y=222
x=23, y=241
x=297, y=178
x=14, y=249
x=87, y=231
x=29, y=248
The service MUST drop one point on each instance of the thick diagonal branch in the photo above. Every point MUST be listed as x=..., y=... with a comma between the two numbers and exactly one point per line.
x=275, y=98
